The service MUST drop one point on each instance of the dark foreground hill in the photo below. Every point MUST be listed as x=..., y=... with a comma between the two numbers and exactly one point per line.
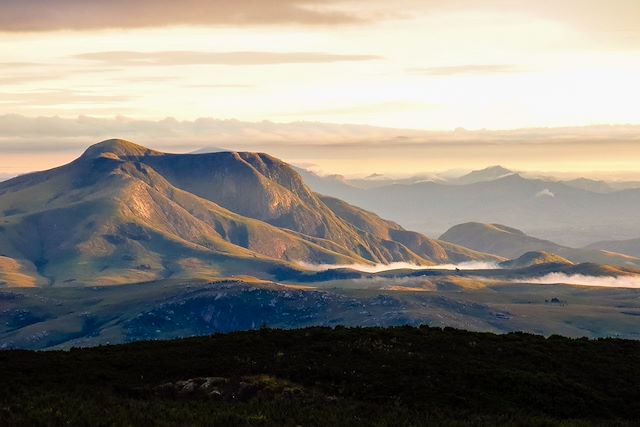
x=329, y=377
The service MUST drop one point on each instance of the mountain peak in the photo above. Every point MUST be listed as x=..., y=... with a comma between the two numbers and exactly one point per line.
x=118, y=148
x=487, y=174
x=495, y=168
x=535, y=258
x=476, y=228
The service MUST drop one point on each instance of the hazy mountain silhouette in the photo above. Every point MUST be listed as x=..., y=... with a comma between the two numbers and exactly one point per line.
x=596, y=186
x=488, y=174
x=576, y=212
x=629, y=246
x=513, y=243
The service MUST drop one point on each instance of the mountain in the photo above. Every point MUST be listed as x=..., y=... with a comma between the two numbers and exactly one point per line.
x=532, y=258
x=19, y=274
x=488, y=174
x=596, y=186
x=422, y=245
x=513, y=243
x=629, y=247
x=327, y=184
x=210, y=149
x=5, y=176
x=122, y=213
x=549, y=208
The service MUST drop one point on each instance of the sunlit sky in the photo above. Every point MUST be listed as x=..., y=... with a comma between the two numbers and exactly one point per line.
x=432, y=65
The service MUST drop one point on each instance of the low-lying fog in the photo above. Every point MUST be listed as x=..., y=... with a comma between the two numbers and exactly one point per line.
x=630, y=281
x=377, y=268
x=582, y=280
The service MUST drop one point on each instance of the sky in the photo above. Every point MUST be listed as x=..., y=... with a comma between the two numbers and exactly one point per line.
x=285, y=75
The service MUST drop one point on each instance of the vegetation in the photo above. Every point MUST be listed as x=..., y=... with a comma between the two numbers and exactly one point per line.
x=322, y=376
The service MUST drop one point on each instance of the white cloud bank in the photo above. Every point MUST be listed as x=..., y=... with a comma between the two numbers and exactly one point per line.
x=45, y=142
x=545, y=193
x=582, y=280
x=377, y=268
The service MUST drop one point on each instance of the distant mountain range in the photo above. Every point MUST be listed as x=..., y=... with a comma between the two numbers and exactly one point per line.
x=122, y=213
x=512, y=243
x=629, y=246
x=488, y=174
x=574, y=213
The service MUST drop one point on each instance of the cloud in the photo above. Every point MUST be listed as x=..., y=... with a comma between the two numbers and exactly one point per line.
x=608, y=23
x=457, y=70
x=145, y=79
x=545, y=193
x=208, y=129
x=48, y=15
x=59, y=97
x=221, y=86
x=379, y=107
x=332, y=147
x=184, y=57
x=582, y=280
x=20, y=133
x=21, y=73
x=14, y=79
x=377, y=268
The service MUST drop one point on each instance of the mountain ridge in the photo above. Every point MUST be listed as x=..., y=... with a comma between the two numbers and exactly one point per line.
x=123, y=213
x=513, y=243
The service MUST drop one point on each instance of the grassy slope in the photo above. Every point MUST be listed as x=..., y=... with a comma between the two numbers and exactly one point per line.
x=20, y=274
x=64, y=317
x=319, y=376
